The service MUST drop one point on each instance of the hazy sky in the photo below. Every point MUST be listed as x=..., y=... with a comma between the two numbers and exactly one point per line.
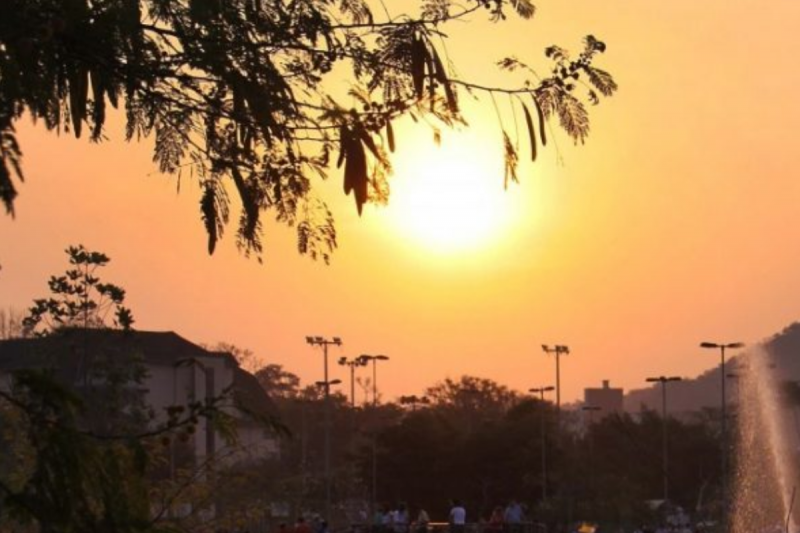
x=677, y=222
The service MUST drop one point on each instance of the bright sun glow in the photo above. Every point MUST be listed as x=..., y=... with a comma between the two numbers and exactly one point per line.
x=450, y=198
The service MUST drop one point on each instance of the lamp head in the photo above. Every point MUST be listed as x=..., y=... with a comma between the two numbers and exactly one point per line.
x=734, y=345
x=337, y=341
x=310, y=340
x=382, y=357
x=709, y=345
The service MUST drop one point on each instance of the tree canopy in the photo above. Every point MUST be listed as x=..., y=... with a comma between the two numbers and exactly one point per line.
x=237, y=93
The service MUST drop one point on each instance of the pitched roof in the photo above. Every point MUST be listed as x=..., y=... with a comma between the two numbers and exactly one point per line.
x=64, y=352
x=155, y=347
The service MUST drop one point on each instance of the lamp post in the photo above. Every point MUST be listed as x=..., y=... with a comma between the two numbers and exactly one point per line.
x=321, y=341
x=352, y=363
x=724, y=424
x=366, y=358
x=664, y=449
x=558, y=350
x=540, y=391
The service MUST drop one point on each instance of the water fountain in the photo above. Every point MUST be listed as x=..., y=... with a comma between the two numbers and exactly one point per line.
x=765, y=475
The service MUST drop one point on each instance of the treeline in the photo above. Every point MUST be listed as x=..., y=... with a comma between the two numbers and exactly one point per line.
x=478, y=441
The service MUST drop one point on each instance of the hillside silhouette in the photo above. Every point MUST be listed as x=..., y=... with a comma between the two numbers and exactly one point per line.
x=703, y=392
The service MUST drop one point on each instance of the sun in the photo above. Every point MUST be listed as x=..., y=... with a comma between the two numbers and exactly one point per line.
x=450, y=198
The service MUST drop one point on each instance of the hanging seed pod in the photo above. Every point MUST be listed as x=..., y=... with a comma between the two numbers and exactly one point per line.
x=390, y=135
x=541, y=120
x=419, y=56
x=531, y=131
x=355, y=172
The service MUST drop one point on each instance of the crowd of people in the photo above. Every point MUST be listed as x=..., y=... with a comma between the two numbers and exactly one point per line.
x=398, y=519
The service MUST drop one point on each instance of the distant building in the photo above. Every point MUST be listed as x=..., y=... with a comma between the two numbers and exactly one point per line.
x=177, y=372
x=608, y=399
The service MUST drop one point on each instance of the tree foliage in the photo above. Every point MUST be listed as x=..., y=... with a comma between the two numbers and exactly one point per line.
x=242, y=95
x=79, y=298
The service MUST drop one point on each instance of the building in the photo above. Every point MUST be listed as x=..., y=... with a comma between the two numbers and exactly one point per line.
x=175, y=372
x=608, y=399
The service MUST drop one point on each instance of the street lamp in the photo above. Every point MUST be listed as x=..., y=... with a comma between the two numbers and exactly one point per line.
x=722, y=348
x=352, y=363
x=366, y=358
x=540, y=391
x=664, y=450
x=558, y=350
x=327, y=384
x=321, y=341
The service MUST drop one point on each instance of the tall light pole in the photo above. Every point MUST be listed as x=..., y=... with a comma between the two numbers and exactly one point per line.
x=558, y=350
x=365, y=358
x=352, y=363
x=664, y=449
x=543, y=432
x=321, y=341
x=724, y=425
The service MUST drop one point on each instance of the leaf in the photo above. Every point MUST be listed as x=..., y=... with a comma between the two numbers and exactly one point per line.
x=99, y=109
x=7, y=190
x=208, y=207
x=249, y=204
x=531, y=131
x=602, y=80
x=524, y=8
x=573, y=117
x=541, y=120
x=511, y=160
x=78, y=92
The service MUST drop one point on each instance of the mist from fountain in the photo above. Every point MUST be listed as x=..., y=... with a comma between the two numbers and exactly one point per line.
x=765, y=473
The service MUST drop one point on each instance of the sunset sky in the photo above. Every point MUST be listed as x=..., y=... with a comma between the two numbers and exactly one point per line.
x=677, y=222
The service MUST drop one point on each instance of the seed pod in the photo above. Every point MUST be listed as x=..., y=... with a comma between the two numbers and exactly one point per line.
x=390, y=135
x=355, y=172
x=531, y=132
x=541, y=120
x=419, y=56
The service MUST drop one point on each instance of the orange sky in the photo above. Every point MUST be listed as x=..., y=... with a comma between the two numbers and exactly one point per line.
x=678, y=221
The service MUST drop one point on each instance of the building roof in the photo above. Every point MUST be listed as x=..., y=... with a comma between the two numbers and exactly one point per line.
x=70, y=351
x=155, y=347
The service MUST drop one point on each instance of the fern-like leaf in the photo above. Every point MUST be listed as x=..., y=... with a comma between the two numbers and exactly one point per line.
x=524, y=8
x=573, y=117
x=602, y=80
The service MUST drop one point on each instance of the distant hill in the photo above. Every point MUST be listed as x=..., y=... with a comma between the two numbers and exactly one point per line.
x=691, y=395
